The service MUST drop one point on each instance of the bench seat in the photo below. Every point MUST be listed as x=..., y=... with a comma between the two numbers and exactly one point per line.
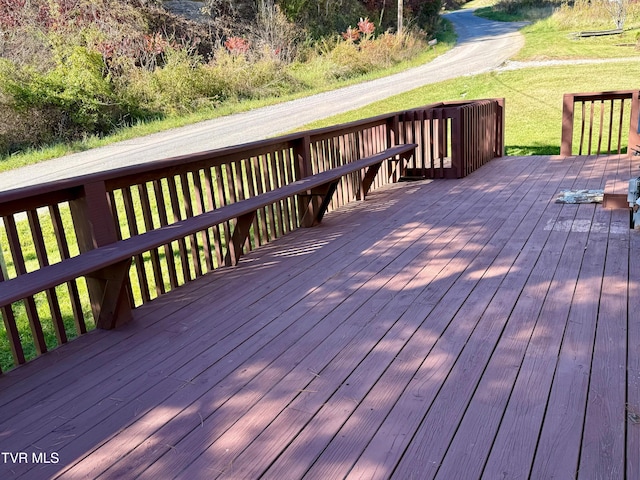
x=100, y=262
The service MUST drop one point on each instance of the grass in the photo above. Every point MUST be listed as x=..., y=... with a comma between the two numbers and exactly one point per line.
x=551, y=34
x=543, y=42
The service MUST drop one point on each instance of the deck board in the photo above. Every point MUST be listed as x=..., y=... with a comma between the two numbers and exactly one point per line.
x=449, y=329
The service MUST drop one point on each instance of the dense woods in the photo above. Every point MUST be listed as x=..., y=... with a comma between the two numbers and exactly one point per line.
x=72, y=68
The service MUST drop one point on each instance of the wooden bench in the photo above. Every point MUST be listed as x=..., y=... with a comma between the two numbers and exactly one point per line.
x=111, y=263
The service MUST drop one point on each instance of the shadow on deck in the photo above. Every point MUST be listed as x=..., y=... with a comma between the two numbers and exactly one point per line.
x=468, y=328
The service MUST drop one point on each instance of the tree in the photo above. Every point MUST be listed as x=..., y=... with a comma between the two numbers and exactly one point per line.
x=618, y=11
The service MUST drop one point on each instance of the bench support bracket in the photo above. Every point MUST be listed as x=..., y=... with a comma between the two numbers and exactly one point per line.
x=238, y=238
x=113, y=309
x=317, y=201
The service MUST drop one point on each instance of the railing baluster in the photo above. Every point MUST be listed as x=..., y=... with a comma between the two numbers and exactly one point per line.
x=600, y=127
x=622, y=102
x=177, y=216
x=147, y=217
x=63, y=248
x=582, y=127
x=611, y=126
x=162, y=217
x=29, y=302
x=43, y=260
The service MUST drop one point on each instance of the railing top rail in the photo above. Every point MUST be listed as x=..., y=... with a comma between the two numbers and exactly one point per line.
x=612, y=95
x=136, y=232
x=67, y=189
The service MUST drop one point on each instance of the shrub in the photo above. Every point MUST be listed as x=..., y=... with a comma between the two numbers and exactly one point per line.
x=182, y=84
x=30, y=127
x=75, y=86
x=251, y=75
x=360, y=54
x=323, y=18
x=73, y=68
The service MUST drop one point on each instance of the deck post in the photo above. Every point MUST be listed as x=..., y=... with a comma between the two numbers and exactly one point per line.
x=634, y=134
x=393, y=131
x=94, y=227
x=304, y=168
x=499, y=140
x=566, y=144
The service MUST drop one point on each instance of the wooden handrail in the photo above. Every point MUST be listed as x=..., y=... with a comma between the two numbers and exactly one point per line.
x=98, y=210
x=599, y=122
x=120, y=251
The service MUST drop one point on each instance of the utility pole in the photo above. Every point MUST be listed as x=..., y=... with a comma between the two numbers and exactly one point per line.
x=400, y=7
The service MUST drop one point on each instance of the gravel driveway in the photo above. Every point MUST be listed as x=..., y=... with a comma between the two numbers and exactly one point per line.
x=483, y=45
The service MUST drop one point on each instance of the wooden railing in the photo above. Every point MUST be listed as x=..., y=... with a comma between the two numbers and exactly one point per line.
x=599, y=123
x=52, y=222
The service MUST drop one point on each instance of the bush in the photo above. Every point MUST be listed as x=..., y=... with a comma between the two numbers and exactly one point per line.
x=30, y=127
x=353, y=57
x=180, y=85
x=251, y=75
x=325, y=18
x=75, y=86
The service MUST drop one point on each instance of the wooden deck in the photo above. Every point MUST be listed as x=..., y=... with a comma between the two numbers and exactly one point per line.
x=455, y=329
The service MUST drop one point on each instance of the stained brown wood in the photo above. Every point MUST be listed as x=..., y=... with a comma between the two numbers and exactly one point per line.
x=625, y=101
x=98, y=202
x=29, y=303
x=63, y=249
x=468, y=328
x=95, y=260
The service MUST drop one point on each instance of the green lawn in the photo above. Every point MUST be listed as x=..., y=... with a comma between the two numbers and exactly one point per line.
x=533, y=99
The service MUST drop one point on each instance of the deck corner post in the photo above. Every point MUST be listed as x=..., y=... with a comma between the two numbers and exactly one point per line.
x=95, y=227
x=566, y=144
x=500, y=120
x=393, y=130
x=634, y=134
